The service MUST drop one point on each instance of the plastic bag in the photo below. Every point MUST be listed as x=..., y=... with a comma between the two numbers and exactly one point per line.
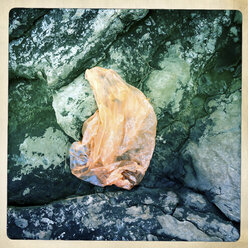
x=119, y=139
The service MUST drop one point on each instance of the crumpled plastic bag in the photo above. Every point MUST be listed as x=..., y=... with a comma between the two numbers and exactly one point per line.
x=119, y=139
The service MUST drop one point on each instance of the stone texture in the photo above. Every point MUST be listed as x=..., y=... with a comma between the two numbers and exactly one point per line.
x=21, y=20
x=37, y=174
x=195, y=201
x=142, y=214
x=38, y=162
x=215, y=154
x=65, y=42
x=74, y=104
x=183, y=230
x=208, y=223
x=187, y=62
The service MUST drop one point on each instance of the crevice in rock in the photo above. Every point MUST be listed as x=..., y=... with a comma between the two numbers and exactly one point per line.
x=35, y=21
x=81, y=69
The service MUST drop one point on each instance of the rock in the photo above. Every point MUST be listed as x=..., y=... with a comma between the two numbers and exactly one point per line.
x=21, y=20
x=37, y=176
x=131, y=54
x=109, y=216
x=208, y=223
x=139, y=51
x=65, y=42
x=38, y=162
x=166, y=87
x=29, y=103
x=40, y=173
x=187, y=62
x=214, y=227
x=50, y=149
x=214, y=156
x=22, y=223
x=141, y=214
x=195, y=201
x=183, y=230
x=74, y=104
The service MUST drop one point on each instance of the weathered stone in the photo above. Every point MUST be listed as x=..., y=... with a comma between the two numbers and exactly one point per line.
x=196, y=201
x=29, y=102
x=208, y=223
x=215, y=155
x=214, y=227
x=73, y=105
x=22, y=223
x=53, y=146
x=67, y=41
x=131, y=54
x=187, y=62
x=109, y=216
x=40, y=171
x=21, y=20
x=135, y=215
x=183, y=230
x=166, y=86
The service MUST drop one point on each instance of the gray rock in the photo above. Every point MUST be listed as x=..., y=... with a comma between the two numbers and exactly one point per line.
x=40, y=172
x=29, y=102
x=183, y=230
x=131, y=54
x=108, y=216
x=21, y=20
x=195, y=201
x=73, y=104
x=213, y=226
x=22, y=223
x=35, y=161
x=187, y=62
x=216, y=155
x=50, y=149
x=141, y=214
x=208, y=223
x=139, y=51
x=65, y=42
x=38, y=162
x=167, y=86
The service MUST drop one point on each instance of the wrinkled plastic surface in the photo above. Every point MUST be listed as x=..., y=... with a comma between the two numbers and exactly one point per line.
x=119, y=139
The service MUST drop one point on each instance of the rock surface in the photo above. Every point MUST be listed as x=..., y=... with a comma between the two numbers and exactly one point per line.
x=73, y=105
x=215, y=155
x=65, y=42
x=188, y=63
x=21, y=20
x=145, y=214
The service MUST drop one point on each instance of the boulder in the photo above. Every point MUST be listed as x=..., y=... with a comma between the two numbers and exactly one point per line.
x=209, y=224
x=65, y=42
x=142, y=214
x=188, y=63
x=38, y=159
x=212, y=157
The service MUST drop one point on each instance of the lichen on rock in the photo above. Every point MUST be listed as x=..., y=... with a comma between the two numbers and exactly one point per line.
x=187, y=62
x=216, y=155
x=79, y=34
x=73, y=104
x=50, y=149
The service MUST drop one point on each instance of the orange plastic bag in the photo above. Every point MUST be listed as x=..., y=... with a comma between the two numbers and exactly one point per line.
x=119, y=139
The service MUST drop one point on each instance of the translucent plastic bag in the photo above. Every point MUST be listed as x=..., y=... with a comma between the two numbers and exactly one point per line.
x=119, y=139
